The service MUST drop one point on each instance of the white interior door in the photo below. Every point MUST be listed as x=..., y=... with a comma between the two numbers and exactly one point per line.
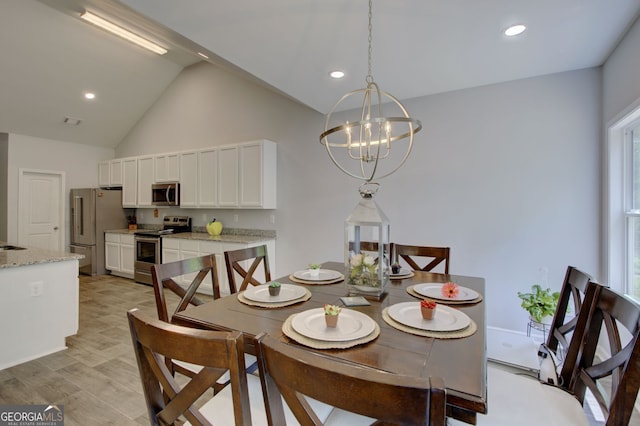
x=41, y=211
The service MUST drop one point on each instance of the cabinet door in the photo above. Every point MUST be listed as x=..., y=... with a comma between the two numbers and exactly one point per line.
x=146, y=178
x=189, y=179
x=103, y=174
x=129, y=182
x=257, y=172
x=115, y=172
x=112, y=256
x=208, y=178
x=228, y=176
x=251, y=175
x=167, y=168
x=127, y=254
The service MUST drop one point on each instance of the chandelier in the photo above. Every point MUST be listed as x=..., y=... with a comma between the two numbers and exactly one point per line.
x=358, y=146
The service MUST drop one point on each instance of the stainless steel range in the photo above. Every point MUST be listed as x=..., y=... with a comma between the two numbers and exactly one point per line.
x=149, y=245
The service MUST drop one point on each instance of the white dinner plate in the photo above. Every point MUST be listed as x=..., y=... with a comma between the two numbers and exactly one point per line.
x=434, y=291
x=402, y=273
x=351, y=325
x=323, y=275
x=260, y=293
x=445, y=318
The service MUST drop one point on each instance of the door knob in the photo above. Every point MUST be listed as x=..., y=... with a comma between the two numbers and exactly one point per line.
x=55, y=228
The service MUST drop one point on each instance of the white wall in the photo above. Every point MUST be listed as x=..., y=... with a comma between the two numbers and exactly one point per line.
x=620, y=79
x=504, y=174
x=78, y=162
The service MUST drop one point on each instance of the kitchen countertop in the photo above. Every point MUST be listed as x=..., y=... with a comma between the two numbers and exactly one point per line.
x=240, y=236
x=228, y=238
x=33, y=256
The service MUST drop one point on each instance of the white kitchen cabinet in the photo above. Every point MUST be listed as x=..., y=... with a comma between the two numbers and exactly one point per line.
x=167, y=167
x=257, y=175
x=208, y=177
x=104, y=180
x=188, y=179
x=146, y=176
x=119, y=252
x=110, y=173
x=112, y=252
x=228, y=176
x=127, y=254
x=130, y=182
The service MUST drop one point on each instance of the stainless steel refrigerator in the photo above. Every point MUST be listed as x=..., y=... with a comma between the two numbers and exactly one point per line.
x=94, y=210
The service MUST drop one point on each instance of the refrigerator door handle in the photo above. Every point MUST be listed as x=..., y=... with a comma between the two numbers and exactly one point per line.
x=77, y=216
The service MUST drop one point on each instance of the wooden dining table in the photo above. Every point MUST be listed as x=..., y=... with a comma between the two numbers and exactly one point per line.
x=460, y=362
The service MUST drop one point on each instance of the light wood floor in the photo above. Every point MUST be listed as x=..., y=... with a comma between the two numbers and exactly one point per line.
x=96, y=378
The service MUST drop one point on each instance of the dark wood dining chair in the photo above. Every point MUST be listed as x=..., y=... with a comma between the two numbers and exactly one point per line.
x=169, y=401
x=358, y=394
x=578, y=289
x=614, y=378
x=165, y=278
x=538, y=403
x=437, y=256
x=235, y=259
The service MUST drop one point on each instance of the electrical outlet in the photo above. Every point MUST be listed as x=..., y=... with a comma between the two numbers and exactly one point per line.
x=36, y=288
x=272, y=219
x=235, y=218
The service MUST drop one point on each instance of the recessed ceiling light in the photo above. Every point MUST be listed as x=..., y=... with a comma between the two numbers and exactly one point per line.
x=514, y=30
x=336, y=74
x=89, y=95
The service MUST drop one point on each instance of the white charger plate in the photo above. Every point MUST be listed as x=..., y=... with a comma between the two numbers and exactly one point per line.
x=323, y=275
x=445, y=318
x=260, y=293
x=351, y=325
x=434, y=291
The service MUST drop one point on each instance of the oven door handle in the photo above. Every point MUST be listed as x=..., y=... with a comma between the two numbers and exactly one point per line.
x=147, y=239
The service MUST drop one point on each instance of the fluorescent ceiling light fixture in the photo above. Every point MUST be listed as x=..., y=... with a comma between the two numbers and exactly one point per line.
x=514, y=30
x=202, y=55
x=336, y=74
x=121, y=32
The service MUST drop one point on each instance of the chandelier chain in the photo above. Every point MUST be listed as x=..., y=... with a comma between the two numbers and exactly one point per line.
x=369, y=78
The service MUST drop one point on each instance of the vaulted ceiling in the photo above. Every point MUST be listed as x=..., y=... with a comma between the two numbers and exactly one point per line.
x=420, y=47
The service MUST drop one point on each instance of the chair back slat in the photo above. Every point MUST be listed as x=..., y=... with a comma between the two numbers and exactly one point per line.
x=438, y=256
x=234, y=260
x=164, y=278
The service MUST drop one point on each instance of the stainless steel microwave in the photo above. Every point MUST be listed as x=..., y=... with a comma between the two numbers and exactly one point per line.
x=165, y=194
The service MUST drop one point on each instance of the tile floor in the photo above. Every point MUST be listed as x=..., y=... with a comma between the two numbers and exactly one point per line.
x=96, y=378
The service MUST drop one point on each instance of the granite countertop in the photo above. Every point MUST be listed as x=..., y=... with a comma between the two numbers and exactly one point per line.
x=229, y=238
x=247, y=236
x=122, y=231
x=33, y=256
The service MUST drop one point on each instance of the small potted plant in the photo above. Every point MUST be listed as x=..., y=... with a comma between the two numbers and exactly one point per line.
x=314, y=269
x=428, y=309
x=540, y=304
x=331, y=313
x=274, y=288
